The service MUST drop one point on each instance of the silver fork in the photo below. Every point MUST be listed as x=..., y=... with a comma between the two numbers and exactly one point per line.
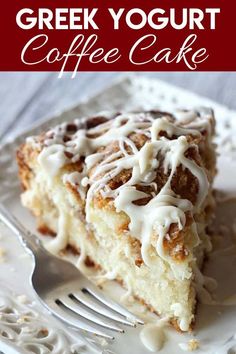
x=66, y=292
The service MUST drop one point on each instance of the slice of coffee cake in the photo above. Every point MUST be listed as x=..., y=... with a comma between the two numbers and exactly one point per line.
x=132, y=193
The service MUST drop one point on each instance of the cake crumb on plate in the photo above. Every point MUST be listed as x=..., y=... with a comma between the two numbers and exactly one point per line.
x=190, y=346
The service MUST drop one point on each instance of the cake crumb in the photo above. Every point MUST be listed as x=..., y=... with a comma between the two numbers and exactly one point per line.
x=193, y=344
x=23, y=319
x=43, y=332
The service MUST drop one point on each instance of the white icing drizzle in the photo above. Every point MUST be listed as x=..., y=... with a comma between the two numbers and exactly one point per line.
x=61, y=240
x=52, y=159
x=75, y=178
x=165, y=208
x=179, y=312
x=153, y=336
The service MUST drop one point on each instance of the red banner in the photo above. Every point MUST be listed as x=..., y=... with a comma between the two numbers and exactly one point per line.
x=72, y=35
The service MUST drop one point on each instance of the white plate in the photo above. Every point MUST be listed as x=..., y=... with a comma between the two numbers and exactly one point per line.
x=216, y=325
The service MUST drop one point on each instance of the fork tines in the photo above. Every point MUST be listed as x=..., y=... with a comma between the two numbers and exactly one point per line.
x=90, y=304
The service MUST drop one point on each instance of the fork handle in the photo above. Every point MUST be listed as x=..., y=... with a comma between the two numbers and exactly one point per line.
x=28, y=240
